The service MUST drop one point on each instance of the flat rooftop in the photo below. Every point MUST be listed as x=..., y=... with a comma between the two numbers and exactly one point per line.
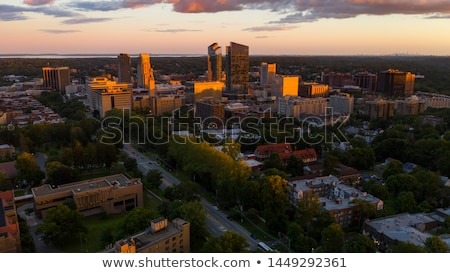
x=118, y=180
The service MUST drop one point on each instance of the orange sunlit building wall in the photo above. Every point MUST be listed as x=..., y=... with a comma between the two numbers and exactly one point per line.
x=9, y=226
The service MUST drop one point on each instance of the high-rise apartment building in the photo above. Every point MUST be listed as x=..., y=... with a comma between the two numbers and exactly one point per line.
x=124, y=68
x=56, y=78
x=237, y=68
x=367, y=81
x=394, y=83
x=268, y=71
x=145, y=72
x=214, y=62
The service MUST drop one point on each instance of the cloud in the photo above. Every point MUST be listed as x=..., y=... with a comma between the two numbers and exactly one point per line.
x=438, y=16
x=97, y=5
x=261, y=37
x=173, y=30
x=54, y=11
x=59, y=31
x=11, y=13
x=83, y=20
x=270, y=28
x=37, y=2
x=312, y=10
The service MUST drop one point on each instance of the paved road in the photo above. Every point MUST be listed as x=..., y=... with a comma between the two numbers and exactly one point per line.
x=216, y=220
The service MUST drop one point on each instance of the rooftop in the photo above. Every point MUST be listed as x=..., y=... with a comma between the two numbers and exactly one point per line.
x=116, y=181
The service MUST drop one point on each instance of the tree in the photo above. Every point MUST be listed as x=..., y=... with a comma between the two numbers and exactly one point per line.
x=60, y=225
x=28, y=169
x=405, y=202
x=434, y=244
x=402, y=182
x=294, y=166
x=406, y=247
x=136, y=220
x=365, y=210
x=360, y=243
x=229, y=242
x=5, y=184
x=274, y=161
x=195, y=214
x=298, y=241
x=274, y=194
x=333, y=239
x=394, y=167
x=153, y=179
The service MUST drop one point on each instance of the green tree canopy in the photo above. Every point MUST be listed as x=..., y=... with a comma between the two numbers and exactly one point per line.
x=360, y=243
x=229, y=242
x=61, y=225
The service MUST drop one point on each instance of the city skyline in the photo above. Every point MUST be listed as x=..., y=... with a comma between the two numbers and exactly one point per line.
x=281, y=27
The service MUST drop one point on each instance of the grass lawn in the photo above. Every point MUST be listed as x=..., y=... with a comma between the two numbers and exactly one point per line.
x=91, y=242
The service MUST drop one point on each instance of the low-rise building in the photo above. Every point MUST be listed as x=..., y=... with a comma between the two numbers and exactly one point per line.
x=112, y=194
x=405, y=227
x=336, y=198
x=161, y=237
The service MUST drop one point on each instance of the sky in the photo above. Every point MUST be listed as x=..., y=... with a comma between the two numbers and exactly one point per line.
x=268, y=27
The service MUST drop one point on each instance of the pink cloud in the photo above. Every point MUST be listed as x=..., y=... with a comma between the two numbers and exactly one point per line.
x=38, y=2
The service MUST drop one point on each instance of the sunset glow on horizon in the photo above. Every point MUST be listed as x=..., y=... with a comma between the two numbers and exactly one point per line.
x=280, y=27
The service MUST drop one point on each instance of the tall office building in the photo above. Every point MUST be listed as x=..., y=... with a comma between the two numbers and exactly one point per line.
x=214, y=62
x=145, y=72
x=268, y=71
x=237, y=68
x=124, y=68
x=56, y=78
x=395, y=83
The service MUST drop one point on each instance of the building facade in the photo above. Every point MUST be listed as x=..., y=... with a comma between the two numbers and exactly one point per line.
x=267, y=72
x=214, y=63
x=211, y=113
x=106, y=95
x=56, y=78
x=299, y=107
x=285, y=86
x=395, y=83
x=166, y=104
x=145, y=72
x=9, y=224
x=342, y=103
x=111, y=194
x=237, y=68
x=124, y=68
x=313, y=90
x=380, y=109
x=162, y=236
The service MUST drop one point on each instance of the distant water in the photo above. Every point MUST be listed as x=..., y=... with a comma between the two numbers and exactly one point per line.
x=74, y=56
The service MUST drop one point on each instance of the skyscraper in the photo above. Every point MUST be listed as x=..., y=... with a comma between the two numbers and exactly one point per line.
x=268, y=71
x=214, y=62
x=56, y=78
x=395, y=83
x=237, y=68
x=124, y=68
x=145, y=72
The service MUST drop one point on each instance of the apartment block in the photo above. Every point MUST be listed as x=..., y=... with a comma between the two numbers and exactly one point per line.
x=162, y=236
